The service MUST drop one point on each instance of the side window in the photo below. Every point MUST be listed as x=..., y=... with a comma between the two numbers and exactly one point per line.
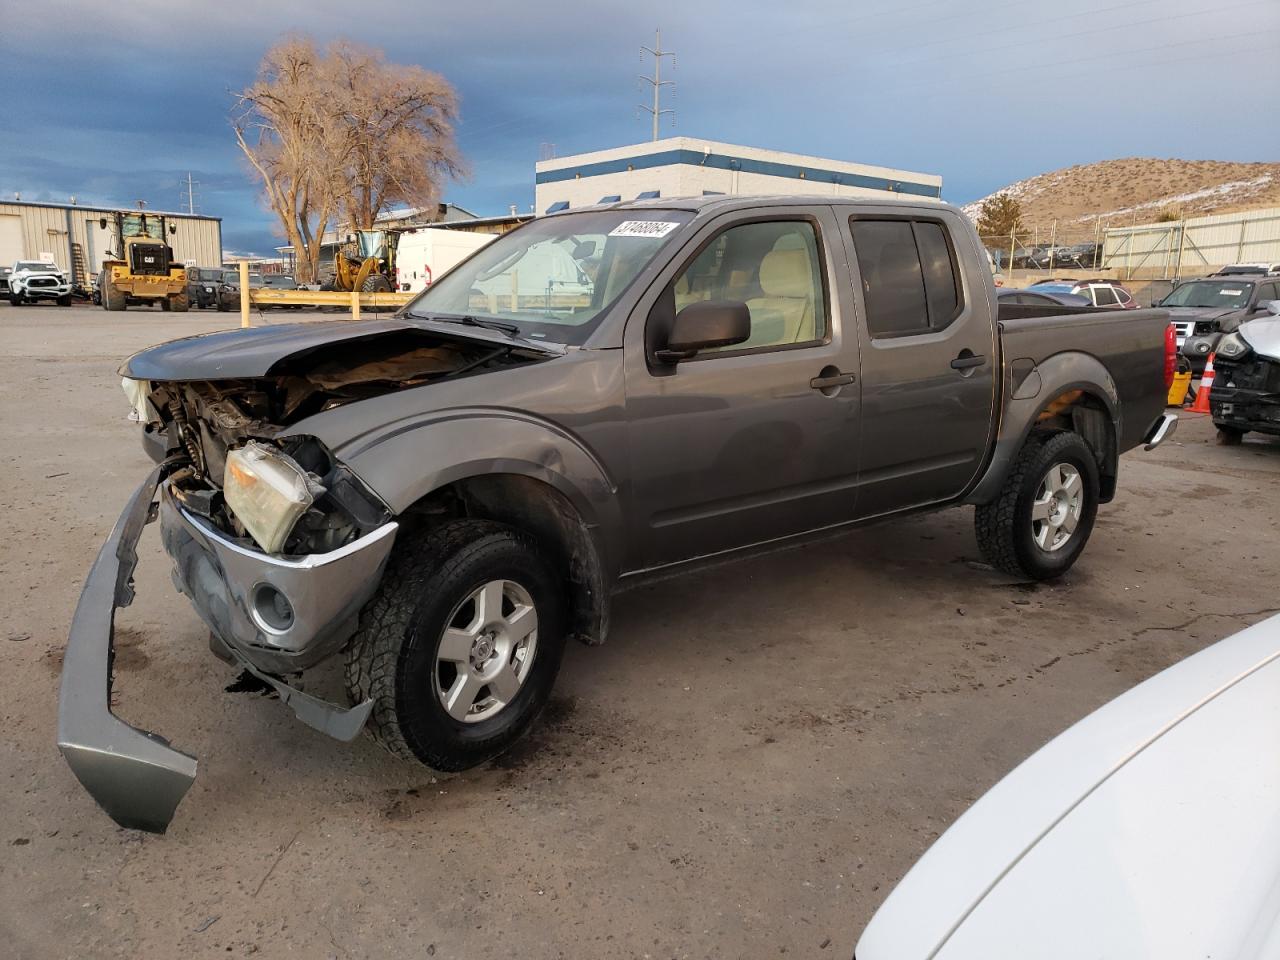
x=1104, y=296
x=910, y=284
x=775, y=268
x=1124, y=297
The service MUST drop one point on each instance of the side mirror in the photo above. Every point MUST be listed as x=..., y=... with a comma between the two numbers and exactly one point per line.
x=583, y=250
x=704, y=325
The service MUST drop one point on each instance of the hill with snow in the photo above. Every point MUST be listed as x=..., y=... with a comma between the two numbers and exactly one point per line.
x=1140, y=189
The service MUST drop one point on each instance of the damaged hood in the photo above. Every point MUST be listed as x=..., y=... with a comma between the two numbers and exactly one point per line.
x=263, y=351
x=1263, y=335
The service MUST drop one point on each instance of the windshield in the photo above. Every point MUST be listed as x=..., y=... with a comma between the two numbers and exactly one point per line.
x=554, y=277
x=1228, y=295
x=34, y=265
x=142, y=225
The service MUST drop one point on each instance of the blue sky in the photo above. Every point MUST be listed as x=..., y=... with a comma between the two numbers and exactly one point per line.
x=119, y=103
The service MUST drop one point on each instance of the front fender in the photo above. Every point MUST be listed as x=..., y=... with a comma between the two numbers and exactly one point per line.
x=406, y=460
x=1030, y=395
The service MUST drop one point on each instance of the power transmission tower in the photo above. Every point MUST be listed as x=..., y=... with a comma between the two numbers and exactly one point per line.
x=656, y=80
x=191, y=194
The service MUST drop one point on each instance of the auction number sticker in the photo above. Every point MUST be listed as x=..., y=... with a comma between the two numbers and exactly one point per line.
x=643, y=228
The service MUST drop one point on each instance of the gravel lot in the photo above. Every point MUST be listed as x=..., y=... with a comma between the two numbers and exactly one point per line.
x=744, y=770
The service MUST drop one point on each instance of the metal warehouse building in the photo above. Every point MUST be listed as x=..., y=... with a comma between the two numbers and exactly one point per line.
x=688, y=167
x=75, y=239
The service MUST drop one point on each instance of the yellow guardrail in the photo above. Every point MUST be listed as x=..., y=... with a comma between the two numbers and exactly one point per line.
x=266, y=297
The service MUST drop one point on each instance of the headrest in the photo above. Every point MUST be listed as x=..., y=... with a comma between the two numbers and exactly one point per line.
x=786, y=273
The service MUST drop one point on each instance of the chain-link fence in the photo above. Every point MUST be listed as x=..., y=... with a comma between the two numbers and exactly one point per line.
x=1041, y=252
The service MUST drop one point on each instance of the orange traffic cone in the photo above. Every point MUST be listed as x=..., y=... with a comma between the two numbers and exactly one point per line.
x=1206, y=384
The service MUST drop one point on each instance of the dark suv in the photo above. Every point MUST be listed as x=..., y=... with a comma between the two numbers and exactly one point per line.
x=1203, y=310
x=202, y=286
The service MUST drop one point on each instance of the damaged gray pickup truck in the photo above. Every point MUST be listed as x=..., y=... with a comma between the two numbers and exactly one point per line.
x=445, y=498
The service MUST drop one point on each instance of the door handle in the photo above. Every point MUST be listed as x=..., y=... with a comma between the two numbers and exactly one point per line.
x=964, y=362
x=833, y=380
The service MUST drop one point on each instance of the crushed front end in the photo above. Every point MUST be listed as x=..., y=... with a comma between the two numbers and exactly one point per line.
x=1246, y=389
x=276, y=543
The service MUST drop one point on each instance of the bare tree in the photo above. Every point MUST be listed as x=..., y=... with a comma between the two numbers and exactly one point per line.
x=281, y=126
x=398, y=124
x=337, y=137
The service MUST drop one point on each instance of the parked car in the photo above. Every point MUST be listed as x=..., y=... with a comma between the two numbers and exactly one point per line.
x=229, y=288
x=279, y=281
x=1249, y=269
x=1148, y=830
x=1246, y=386
x=4, y=280
x=1084, y=256
x=1041, y=298
x=32, y=280
x=1100, y=293
x=202, y=286
x=444, y=498
x=1203, y=310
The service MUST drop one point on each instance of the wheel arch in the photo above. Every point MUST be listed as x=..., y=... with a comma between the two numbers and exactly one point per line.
x=1070, y=391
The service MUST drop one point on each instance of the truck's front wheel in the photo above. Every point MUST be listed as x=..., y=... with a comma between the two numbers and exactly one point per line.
x=461, y=644
x=1042, y=518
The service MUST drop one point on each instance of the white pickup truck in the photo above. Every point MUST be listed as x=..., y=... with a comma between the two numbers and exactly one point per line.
x=33, y=280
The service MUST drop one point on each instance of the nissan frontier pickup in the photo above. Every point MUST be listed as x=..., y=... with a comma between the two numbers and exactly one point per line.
x=443, y=499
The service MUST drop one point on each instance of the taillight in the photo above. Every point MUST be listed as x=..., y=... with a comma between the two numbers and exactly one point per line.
x=1170, y=355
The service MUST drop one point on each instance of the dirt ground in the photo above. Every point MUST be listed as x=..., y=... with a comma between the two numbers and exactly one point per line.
x=745, y=770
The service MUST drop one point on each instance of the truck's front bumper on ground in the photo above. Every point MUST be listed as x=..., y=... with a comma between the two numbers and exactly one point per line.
x=281, y=615
x=136, y=777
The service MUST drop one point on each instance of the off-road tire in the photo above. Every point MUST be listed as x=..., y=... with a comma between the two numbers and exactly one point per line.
x=392, y=657
x=15, y=299
x=64, y=301
x=1004, y=526
x=376, y=283
x=1229, y=436
x=113, y=299
x=179, y=303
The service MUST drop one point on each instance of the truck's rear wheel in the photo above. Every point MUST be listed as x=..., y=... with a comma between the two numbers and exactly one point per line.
x=461, y=644
x=179, y=302
x=1041, y=520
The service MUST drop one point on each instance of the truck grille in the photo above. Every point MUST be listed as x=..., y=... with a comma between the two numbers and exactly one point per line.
x=42, y=282
x=1185, y=328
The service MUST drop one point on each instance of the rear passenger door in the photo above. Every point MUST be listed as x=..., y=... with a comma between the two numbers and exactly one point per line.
x=929, y=358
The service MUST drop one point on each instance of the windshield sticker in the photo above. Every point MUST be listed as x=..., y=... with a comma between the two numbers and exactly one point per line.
x=643, y=228
x=1224, y=292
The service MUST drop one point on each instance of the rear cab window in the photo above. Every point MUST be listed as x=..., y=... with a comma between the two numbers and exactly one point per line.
x=910, y=279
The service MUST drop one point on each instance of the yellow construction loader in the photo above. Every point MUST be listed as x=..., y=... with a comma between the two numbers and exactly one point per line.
x=140, y=269
x=366, y=262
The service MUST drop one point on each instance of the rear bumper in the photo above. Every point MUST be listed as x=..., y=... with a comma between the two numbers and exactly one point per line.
x=1164, y=427
x=135, y=776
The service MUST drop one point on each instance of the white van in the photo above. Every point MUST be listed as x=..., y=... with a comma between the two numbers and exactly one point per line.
x=423, y=255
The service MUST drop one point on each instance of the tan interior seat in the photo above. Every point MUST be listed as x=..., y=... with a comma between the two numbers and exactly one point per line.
x=784, y=313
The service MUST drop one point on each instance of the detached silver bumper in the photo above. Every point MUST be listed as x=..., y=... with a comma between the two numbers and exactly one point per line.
x=135, y=776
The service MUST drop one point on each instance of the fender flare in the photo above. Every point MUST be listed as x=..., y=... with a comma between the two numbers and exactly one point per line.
x=1030, y=395
x=404, y=461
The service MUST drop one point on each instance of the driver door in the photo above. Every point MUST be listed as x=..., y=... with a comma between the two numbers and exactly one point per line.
x=755, y=441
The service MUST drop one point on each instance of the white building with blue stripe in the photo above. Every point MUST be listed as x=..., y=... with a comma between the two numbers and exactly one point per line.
x=689, y=167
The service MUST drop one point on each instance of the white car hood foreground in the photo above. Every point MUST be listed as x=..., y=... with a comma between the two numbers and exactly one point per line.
x=1263, y=335
x=1150, y=829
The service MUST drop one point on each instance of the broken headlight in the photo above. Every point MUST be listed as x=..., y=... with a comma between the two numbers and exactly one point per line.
x=267, y=491
x=1232, y=346
x=137, y=393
